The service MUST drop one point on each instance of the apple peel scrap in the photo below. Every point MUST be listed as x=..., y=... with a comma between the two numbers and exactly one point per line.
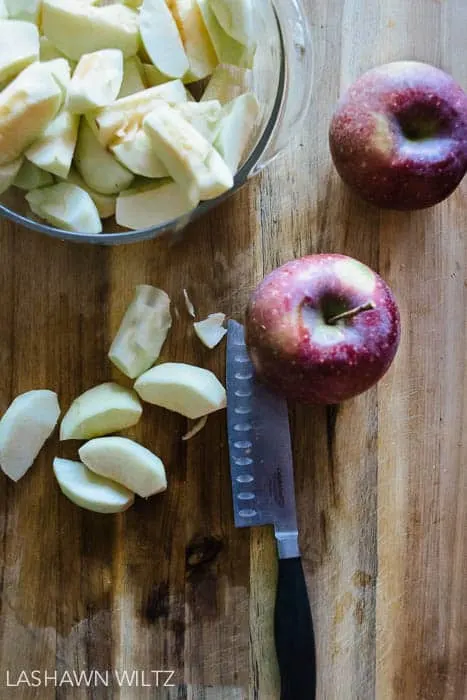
x=24, y=429
x=197, y=428
x=211, y=330
x=142, y=332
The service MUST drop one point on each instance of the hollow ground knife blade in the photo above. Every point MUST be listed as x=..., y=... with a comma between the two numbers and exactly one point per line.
x=260, y=449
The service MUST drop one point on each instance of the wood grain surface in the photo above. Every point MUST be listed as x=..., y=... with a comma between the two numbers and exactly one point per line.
x=171, y=585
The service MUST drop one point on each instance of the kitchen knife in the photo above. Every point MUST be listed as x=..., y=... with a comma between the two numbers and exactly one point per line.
x=263, y=494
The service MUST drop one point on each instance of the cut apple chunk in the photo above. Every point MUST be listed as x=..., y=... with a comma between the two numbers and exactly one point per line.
x=96, y=81
x=76, y=27
x=54, y=150
x=188, y=156
x=99, y=169
x=236, y=18
x=30, y=177
x=25, y=10
x=19, y=47
x=195, y=38
x=137, y=153
x=192, y=391
x=88, y=490
x=27, y=105
x=161, y=38
x=60, y=70
x=125, y=116
x=66, y=206
x=153, y=77
x=228, y=50
x=25, y=427
x=126, y=462
x=142, y=332
x=211, y=330
x=153, y=205
x=203, y=116
x=133, y=73
x=8, y=174
x=47, y=51
x=105, y=203
x=236, y=128
x=226, y=83
x=104, y=409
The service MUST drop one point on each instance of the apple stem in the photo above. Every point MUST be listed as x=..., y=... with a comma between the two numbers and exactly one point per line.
x=352, y=312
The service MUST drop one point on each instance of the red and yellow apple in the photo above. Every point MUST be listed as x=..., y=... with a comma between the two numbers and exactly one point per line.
x=322, y=329
x=399, y=135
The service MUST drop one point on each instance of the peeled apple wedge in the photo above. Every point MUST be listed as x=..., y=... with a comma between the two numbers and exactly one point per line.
x=105, y=203
x=102, y=410
x=203, y=116
x=192, y=391
x=96, y=81
x=126, y=115
x=30, y=177
x=126, y=462
x=53, y=151
x=97, y=166
x=226, y=83
x=26, y=10
x=27, y=105
x=60, y=70
x=86, y=489
x=19, y=47
x=8, y=174
x=235, y=129
x=76, y=27
x=228, y=50
x=153, y=205
x=195, y=38
x=161, y=38
x=25, y=427
x=65, y=206
x=137, y=153
x=142, y=332
x=153, y=76
x=133, y=73
x=47, y=51
x=190, y=159
x=236, y=19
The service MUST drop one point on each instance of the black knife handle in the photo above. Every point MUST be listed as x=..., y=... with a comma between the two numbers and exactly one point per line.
x=293, y=627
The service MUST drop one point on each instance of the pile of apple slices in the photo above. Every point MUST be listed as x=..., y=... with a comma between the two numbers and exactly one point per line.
x=113, y=469
x=95, y=116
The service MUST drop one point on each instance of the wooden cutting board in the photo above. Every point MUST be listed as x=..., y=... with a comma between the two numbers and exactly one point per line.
x=171, y=585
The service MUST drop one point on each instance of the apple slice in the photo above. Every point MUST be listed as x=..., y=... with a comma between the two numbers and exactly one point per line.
x=53, y=151
x=236, y=19
x=60, y=70
x=88, y=490
x=96, y=81
x=3, y=10
x=211, y=330
x=75, y=27
x=203, y=116
x=27, y=105
x=8, y=174
x=25, y=10
x=25, y=427
x=142, y=332
x=47, y=51
x=126, y=115
x=227, y=49
x=161, y=38
x=153, y=205
x=153, y=76
x=192, y=391
x=137, y=153
x=97, y=166
x=126, y=462
x=66, y=206
x=187, y=155
x=105, y=203
x=226, y=83
x=235, y=129
x=30, y=177
x=133, y=77
x=195, y=38
x=19, y=47
x=104, y=409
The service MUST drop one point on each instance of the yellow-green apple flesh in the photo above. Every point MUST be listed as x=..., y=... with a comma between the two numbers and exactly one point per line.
x=322, y=329
x=399, y=135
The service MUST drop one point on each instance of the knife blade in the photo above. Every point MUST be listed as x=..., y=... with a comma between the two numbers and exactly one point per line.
x=261, y=465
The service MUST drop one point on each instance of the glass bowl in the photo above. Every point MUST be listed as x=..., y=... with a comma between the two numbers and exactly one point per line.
x=281, y=79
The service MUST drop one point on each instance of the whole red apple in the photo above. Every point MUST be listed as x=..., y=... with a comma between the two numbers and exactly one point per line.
x=399, y=135
x=322, y=329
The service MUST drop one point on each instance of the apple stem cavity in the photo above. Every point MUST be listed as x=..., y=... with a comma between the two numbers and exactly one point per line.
x=368, y=306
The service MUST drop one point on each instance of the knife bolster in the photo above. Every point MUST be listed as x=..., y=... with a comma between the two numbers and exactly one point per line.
x=287, y=545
